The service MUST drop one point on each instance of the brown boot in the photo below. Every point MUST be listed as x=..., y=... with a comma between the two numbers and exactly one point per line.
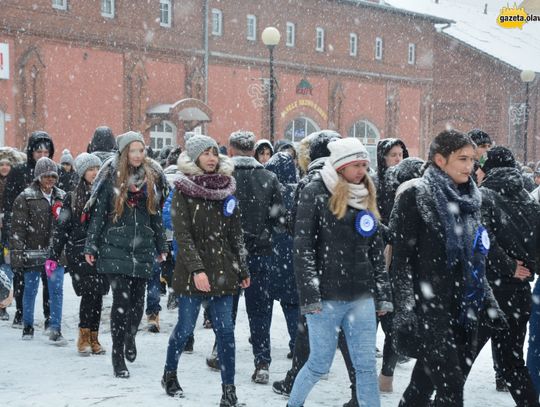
x=94, y=342
x=153, y=323
x=385, y=383
x=83, y=343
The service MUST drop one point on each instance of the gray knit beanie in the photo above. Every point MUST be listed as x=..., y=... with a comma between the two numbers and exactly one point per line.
x=66, y=158
x=85, y=161
x=198, y=144
x=44, y=167
x=242, y=140
x=124, y=140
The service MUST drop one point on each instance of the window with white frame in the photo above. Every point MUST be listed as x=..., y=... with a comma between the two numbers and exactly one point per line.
x=251, y=27
x=107, y=8
x=369, y=135
x=217, y=22
x=353, y=44
x=165, y=13
x=378, y=48
x=291, y=33
x=162, y=135
x=60, y=4
x=299, y=128
x=319, y=39
x=411, y=58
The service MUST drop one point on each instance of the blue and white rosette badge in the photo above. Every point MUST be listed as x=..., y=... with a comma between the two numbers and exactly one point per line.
x=229, y=205
x=365, y=223
x=481, y=241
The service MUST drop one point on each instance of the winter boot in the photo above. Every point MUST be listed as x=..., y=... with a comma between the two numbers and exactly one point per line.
x=130, y=347
x=153, y=323
x=385, y=383
x=119, y=364
x=28, y=333
x=17, y=320
x=261, y=374
x=353, y=402
x=56, y=338
x=283, y=387
x=4, y=316
x=212, y=361
x=172, y=302
x=169, y=382
x=83, y=343
x=97, y=349
x=229, y=399
x=46, y=326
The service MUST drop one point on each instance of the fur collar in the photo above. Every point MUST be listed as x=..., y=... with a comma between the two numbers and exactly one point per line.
x=188, y=167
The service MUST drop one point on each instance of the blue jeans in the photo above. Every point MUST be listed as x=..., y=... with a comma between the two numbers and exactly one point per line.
x=533, y=354
x=357, y=320
x=222, y=324
x=259, y=307
x=56, y=293
x=153, y=290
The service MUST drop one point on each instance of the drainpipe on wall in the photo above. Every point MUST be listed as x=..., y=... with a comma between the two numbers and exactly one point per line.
x=206, y=54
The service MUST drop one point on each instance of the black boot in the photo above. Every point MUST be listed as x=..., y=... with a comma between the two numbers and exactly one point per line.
x=119, y=364
x=212, y=361
x=353, y=402
x=169, y=382
x=284, y=386
x=229, y=399
x=130, y=348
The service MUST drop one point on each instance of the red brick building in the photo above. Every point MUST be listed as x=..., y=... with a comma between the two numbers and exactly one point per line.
x=366, y=70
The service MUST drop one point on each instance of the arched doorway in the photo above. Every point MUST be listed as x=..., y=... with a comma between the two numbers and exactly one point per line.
x=299, y=128
x=162, y=134
x=369, y=135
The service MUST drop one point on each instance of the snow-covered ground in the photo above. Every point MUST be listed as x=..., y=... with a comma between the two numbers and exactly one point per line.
x=35, y=373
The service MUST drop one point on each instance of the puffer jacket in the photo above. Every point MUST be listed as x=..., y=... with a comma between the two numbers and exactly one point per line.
x=208, y=241
x=129, y=245
x=260, y=204
x=512, y=218
x=332, y=261
x=32, y=224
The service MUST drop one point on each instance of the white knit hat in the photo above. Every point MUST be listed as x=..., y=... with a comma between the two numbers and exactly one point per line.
x=346, y=151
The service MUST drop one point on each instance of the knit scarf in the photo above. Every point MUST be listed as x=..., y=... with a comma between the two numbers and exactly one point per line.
x=214, y=187
x=358, y=193
x=459, y=211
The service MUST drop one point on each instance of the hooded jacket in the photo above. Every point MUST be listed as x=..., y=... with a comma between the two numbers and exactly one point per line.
x=103, y=143
x=22, y=176
x=512, y=218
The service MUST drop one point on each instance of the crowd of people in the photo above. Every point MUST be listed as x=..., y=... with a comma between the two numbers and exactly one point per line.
x=441, y=253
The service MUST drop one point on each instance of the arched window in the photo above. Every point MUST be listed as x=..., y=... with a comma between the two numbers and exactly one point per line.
x=369, y=136
x=2, y=129
x=162, y=135
x=299, y=128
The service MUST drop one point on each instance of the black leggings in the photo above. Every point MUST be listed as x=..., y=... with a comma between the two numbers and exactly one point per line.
x=390, y=356
x=127, y=308
x=90, y=311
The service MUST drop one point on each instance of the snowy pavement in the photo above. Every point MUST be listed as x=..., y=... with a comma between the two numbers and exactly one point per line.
x=34, y=373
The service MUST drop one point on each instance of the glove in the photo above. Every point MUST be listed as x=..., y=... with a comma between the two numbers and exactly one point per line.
x=50, y=266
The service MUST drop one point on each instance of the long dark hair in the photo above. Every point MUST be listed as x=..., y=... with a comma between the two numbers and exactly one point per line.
x=79, y=197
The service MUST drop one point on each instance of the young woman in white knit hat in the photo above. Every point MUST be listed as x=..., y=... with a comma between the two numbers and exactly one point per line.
x=340, y=271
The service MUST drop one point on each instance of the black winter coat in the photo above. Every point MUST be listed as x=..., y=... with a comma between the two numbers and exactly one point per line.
x=70, y=233
x=424, y=289
x=260, y=204
x=332, y=261
x=67, y=181
x=32, y=225
x=512, y=218
x=21, y=176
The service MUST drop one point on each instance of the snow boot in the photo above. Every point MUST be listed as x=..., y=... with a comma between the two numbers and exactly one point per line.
x=28, y=333
x=119, y=364
x=17, y=320
x=385, y=383
x=153, y=323
x=353, y=402
x=4, y=316
x=56, y=338
x=261, y=374
x=229, y=399
x=172, y=302
x=169, y=382
x=212, y=361
x=97, y=349
x=130, y=347
x=46, y=326
x=83, y=343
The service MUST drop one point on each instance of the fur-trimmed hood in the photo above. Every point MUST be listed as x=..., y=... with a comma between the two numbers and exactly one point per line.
x=188, y=167
x=12, y=155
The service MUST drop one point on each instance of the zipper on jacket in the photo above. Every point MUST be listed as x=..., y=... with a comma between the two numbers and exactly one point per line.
x=134, y=237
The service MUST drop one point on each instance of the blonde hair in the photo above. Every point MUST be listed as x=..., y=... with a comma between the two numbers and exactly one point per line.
x=340, y=197
x=124, y=171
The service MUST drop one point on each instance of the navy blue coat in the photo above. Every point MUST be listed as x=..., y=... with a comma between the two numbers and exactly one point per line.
x=282, y=279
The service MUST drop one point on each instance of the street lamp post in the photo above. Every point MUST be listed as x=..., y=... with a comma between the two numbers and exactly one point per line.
x=270, y=37
x=526, y=77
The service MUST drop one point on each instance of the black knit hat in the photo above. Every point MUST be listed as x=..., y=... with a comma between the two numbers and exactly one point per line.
x=319, y=144
x=480, y=137
x=499, y=157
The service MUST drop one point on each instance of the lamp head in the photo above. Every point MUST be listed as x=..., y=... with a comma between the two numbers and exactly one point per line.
x=270, y=36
